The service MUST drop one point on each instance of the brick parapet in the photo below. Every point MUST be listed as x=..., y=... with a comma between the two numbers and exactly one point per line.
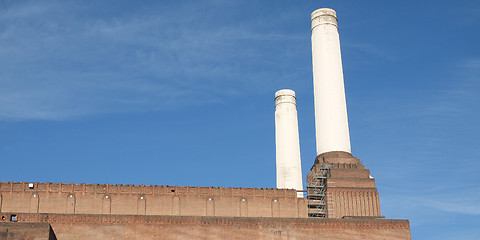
x=149, y=200
x=84, y=188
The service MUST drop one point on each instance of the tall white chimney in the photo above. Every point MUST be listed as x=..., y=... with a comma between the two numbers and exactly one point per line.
x=331, y=120
x=289, y=167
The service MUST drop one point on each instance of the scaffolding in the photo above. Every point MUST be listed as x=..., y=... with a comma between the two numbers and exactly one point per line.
x=316, y=190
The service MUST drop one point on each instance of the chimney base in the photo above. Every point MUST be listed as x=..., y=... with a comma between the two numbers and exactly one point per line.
x=339, y=185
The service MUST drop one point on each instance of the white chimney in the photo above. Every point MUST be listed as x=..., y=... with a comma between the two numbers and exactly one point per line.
x=331, y=120
x=289, y=167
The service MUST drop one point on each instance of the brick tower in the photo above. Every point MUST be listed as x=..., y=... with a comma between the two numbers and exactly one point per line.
x=339, y=185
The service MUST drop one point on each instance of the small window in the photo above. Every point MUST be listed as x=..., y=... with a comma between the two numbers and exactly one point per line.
x=30, y=185
x=13, y=218
x=173, y=190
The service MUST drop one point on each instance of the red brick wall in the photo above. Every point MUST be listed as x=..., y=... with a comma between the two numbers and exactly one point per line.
x=68, y=227
x=150, y=200
x=352, y=202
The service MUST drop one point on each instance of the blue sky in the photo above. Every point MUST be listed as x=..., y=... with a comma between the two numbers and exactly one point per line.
x=181, y=93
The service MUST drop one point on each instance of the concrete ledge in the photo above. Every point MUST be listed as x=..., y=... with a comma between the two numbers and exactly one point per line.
x=24, y=231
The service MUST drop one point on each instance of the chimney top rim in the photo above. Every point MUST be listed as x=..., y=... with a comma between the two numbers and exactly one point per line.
x=285, y=92
x=324, y=11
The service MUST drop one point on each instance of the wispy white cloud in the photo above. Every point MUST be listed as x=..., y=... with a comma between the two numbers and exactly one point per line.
x=419, y=202
x=465, y=234
x=368, y=49
x=455, y=95
x=23, y=11
x=57, y=63
x=463, y=202
x=462, y=91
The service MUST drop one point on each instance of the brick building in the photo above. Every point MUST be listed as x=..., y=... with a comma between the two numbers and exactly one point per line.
x=102, y=211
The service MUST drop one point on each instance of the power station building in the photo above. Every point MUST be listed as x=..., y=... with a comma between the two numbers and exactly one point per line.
x=340, y=201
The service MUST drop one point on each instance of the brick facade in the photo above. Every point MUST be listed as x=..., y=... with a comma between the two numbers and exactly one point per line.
x=103, y=211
